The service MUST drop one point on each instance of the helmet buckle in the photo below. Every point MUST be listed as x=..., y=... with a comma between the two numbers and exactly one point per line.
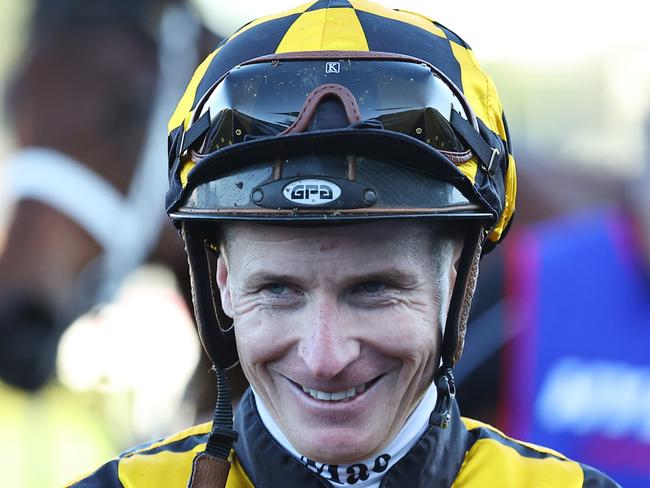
x=495, y=153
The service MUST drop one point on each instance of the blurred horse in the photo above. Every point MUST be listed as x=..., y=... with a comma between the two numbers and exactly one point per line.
x=88, y=105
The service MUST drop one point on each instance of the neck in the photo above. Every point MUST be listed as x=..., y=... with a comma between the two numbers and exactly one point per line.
x=369, y=472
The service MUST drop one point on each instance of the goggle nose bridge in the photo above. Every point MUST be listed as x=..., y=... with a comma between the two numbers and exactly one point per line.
x=316, y=97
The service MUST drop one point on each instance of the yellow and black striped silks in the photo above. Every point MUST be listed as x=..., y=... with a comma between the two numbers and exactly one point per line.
x=361, y=25
x=468, y=454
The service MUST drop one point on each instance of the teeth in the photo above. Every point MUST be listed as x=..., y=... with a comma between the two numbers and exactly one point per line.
x=337, y=395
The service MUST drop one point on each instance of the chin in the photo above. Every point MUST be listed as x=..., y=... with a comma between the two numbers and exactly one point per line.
x=336, y=446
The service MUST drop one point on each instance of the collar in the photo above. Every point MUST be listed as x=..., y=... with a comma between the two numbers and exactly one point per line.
x=369, y=472
x=433, y=461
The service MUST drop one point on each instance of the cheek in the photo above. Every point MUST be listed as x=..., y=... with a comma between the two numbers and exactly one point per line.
x=414, y=338
x=263, y=336
x=409, y=333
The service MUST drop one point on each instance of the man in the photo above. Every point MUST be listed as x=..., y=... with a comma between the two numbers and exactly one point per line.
x=336, y=172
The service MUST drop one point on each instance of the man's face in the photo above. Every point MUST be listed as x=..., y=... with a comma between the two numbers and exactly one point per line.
x=338, y=329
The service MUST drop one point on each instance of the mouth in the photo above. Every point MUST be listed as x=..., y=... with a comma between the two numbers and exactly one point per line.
x=338, y=396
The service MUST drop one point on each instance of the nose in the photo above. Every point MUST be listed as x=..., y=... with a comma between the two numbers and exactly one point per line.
x=329, y=346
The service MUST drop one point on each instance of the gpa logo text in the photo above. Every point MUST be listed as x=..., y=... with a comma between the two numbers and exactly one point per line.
x=304, y=192
x=311, y=191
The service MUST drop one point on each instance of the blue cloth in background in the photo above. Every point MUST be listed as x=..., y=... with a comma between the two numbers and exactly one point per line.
x=579, y=369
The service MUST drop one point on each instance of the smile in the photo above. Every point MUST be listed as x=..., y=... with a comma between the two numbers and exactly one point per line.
x=338, y=395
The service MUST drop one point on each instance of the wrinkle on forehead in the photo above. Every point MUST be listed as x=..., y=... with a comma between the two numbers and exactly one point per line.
x=410, y=235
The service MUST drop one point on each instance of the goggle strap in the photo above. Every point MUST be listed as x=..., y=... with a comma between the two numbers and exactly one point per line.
x=198, y=128
x=483, y=151
x=173, y=143
x=174, y=169
x=174, y=152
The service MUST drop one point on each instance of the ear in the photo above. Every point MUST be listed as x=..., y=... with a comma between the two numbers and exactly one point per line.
x=224, y=286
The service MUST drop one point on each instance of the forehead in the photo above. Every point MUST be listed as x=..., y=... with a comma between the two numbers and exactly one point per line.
x=391, y=241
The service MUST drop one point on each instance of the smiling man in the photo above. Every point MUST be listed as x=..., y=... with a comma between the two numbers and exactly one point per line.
x=339, y=329
x=336, y=172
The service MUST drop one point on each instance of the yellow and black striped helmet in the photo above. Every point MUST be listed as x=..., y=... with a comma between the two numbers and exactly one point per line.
x=340, y=110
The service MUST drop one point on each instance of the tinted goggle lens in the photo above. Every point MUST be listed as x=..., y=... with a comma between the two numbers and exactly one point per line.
x=264, y=99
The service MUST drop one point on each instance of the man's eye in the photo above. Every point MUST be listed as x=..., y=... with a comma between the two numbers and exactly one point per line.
x=277, y=288
x=372, y=287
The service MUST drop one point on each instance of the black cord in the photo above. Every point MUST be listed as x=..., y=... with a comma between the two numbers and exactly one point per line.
x=222, y=435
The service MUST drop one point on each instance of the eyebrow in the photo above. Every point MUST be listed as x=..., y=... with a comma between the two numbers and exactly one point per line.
x=269, y=277
x=395, y=276
x=392, y=275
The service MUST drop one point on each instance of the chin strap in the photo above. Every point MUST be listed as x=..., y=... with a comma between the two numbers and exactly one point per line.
x=455, y=329
x=461, y=299
x=446, y=386
x=210, y=468
x=214, y=327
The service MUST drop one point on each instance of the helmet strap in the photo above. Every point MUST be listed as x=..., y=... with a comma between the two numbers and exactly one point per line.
x=214, y=326
x=446, y=387
x=461, y=299
x=210, y=467
x=454, y=336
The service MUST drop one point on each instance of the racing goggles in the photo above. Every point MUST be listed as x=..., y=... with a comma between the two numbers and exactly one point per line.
x=265, y=97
